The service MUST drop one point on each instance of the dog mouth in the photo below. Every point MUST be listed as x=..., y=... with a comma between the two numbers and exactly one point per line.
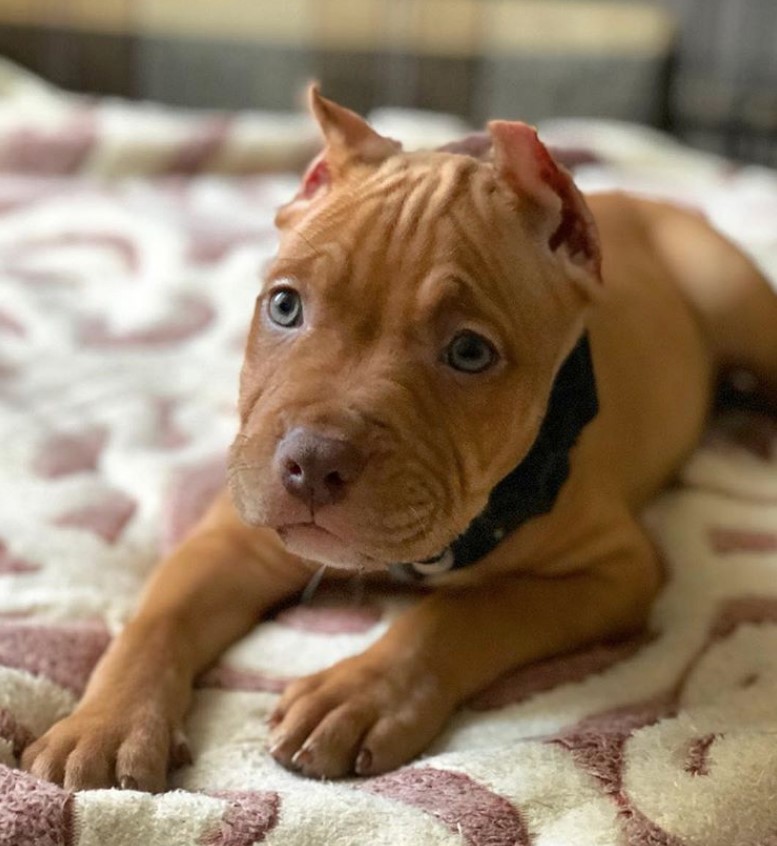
x=307, y=528
x=312, y=541
x=344, y=535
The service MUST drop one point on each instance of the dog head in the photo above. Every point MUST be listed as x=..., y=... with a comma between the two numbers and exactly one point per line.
x=406, y=338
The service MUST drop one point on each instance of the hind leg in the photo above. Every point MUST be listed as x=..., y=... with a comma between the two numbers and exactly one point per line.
x=747, y=343
x=755, y=349
x=736, y=305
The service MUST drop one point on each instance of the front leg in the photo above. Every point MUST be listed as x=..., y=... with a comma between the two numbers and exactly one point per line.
x=377, y=710
x=125, y=732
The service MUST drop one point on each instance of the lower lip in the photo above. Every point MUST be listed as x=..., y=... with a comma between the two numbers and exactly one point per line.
x=312, y=541
x=309, y=529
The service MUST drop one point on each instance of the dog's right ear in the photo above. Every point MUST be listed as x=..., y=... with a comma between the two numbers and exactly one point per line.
x=349, y=140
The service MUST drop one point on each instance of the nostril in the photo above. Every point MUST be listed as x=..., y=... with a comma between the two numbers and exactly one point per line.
x=293, y=469
x=334, y=480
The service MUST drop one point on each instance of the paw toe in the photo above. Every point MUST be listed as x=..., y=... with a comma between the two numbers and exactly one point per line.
x=46, y=758
x=88, y=769
x=331, y=749
x=141, y=765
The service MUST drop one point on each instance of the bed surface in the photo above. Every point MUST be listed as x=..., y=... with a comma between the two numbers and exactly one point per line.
x=128, y=269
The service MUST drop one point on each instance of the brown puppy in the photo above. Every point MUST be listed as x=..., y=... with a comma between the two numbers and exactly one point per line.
x=410, y=349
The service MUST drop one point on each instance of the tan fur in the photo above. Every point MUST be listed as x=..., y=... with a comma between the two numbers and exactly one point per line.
x=401, y=252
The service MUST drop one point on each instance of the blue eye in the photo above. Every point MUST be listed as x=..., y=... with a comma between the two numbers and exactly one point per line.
x=285, y=308
x=469, y=352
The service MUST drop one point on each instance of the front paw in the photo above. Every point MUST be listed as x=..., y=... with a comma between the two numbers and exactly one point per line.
x=108, y=745
x=363, y=716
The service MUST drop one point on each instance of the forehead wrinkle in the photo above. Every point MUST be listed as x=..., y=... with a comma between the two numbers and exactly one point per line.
x=356, y=300
x=402, y=192
x=494, y=281
x=438, y=181
x=325, y=259
x=454, y=178
x=383, y=185
x=410, y=210
x=373, y=191
x=336, y=219
x=340, y=232
x=448, y=288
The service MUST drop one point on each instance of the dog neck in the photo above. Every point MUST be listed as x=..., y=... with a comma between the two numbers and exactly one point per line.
x=533, y=486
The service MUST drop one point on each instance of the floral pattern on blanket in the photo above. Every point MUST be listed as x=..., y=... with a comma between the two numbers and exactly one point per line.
x=123, y=308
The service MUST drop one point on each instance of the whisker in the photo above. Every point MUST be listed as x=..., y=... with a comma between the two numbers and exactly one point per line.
x=312, y=586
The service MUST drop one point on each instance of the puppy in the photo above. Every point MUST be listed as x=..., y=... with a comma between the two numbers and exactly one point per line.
x=441, y=383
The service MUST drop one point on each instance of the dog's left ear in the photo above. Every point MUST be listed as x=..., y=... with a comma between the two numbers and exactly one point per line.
x=349, y=140
x=565, y=221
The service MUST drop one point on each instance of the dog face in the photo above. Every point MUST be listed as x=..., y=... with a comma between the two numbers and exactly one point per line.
x=405, y=340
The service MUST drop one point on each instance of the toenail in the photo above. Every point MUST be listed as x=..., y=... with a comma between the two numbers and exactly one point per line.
x=275, y=743
x=363, y=762
x=301, y=758
x=127, y=782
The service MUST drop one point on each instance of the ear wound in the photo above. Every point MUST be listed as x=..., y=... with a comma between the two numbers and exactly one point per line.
x=316, y=177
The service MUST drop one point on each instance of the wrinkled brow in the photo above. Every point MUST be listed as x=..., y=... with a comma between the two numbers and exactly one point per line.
x=447, y=289
x=327, y=259
x=444, y=289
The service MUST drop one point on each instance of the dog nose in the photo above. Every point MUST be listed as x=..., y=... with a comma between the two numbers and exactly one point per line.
x=317, y=469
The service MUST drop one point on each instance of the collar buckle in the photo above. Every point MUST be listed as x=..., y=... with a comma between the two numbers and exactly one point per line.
x=439, y=564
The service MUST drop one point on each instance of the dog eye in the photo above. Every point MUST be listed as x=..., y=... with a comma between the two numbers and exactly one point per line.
x=285, y=308
x=470, y=353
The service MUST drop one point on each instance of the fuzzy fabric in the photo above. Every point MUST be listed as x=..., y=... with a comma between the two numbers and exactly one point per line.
x=123, y=308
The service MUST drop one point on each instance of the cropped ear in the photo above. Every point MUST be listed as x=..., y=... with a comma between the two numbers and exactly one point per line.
x=525, y=164
x=348, y=137
x=348, y=140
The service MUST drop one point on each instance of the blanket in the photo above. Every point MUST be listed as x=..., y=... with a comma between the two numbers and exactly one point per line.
x=124, y=304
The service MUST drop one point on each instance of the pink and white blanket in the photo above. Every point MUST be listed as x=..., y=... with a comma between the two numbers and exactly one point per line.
x=123, y=307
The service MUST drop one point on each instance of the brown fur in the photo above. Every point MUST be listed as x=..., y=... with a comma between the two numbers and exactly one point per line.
x=394, y=255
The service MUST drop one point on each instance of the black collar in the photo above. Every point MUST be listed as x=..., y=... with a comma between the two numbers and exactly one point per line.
x=532, y=487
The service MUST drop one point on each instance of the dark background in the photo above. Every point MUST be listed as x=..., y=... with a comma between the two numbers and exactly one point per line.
x=705, y=70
